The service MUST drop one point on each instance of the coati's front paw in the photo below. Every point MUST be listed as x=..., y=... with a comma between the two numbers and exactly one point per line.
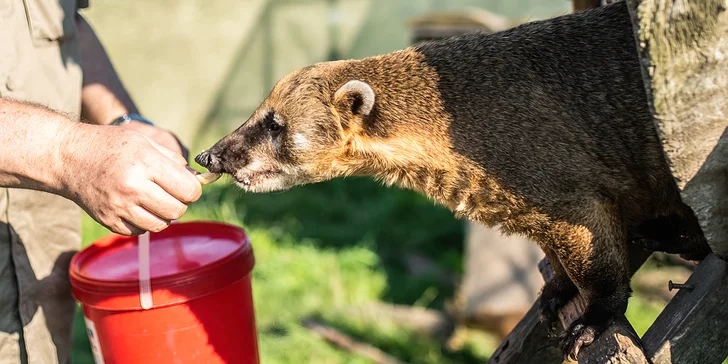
x=555, y=294
x=577, y=336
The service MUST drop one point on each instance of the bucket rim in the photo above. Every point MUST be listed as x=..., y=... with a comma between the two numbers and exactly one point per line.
x=190, y=284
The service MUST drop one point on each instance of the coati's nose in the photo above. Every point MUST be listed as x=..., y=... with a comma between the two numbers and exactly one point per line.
x=209, y=161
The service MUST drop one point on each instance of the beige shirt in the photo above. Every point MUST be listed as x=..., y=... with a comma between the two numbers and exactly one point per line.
x=39, y=232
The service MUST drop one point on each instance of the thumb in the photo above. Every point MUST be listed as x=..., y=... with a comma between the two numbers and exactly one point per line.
x=167, y=152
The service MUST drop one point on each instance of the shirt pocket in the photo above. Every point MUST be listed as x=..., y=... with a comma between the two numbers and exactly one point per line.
x=10, y=12
x=51, y=21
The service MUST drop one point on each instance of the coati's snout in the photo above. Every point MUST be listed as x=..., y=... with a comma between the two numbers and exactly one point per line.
x=209, y=160
x=223, y=156
x=256, y=155
x=297, y=136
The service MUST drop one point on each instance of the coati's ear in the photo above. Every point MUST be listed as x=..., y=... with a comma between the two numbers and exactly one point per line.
x=356, y=97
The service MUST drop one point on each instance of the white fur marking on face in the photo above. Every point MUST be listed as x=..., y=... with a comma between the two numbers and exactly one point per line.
x=361, y=88
x=254, y=166
x=300, y=140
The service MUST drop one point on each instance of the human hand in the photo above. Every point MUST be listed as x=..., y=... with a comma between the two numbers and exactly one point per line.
x=123, y=179
x=160, y=136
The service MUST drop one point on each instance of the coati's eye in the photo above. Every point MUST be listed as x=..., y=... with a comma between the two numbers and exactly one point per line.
x=270, y=124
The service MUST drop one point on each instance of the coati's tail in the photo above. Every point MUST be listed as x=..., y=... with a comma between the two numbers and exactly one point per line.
x=678, y=233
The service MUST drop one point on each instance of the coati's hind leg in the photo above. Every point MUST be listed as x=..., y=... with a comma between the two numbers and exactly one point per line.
x=594, y=255
x=556, y=292
x=677, y=233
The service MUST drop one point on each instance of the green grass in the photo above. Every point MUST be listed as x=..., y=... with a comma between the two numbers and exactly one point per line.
x=321, y=247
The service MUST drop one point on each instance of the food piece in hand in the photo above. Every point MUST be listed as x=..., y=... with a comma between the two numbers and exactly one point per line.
x=204, y=178
x=208, y=177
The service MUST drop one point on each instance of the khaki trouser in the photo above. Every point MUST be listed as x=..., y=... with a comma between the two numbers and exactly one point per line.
x=39, y=232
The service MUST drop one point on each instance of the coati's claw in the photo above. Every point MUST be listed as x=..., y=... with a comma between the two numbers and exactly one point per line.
x=577, y=336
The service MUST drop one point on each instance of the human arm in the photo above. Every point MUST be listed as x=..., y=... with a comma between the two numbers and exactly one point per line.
x=104, y=97
x=121, y=178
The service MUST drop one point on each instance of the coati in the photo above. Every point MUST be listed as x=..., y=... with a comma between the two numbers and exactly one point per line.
x=543, y=129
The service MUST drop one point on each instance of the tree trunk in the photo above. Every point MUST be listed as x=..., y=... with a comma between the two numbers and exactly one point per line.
x=683, y=47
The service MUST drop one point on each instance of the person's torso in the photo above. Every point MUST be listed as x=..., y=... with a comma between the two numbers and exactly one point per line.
x=40, y=63
x=39, y=53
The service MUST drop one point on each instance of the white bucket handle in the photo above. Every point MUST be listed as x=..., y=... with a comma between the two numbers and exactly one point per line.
x=145, y=286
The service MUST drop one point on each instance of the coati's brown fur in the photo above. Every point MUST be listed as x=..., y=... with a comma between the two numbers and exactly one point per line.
x=543, y=129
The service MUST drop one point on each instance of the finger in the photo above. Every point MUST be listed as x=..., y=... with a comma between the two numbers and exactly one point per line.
x=185, y=153
x=123, y=227
x=170, y=142
x=120, y=227
x=130, y=229
x=183, y=149
x=167, y=152
x=144, y=220
x=177, y=181
x=157, y=201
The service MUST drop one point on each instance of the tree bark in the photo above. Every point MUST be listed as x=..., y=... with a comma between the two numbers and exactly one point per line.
x=683, y=46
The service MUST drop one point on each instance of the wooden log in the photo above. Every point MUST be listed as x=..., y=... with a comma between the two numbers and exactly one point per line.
x=693, y=328
x=619, y=343
x=529, y=342
x=683, y=46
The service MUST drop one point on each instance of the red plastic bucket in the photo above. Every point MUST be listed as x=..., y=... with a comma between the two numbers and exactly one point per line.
x=202, y=298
